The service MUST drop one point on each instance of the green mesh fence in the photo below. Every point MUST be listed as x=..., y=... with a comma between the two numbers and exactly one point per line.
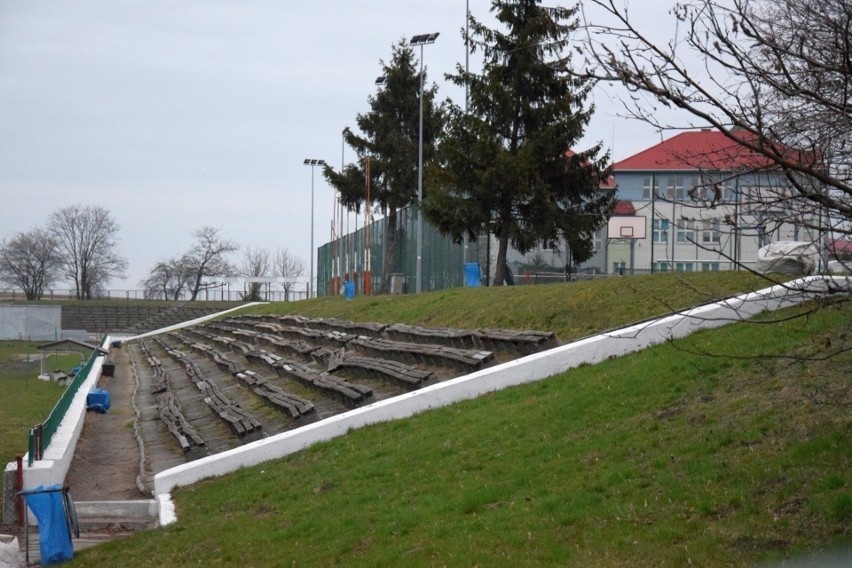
x=442, y=264
x=41, y=435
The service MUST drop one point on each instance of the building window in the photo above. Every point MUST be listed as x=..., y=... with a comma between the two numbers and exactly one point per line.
x=661, y=231
x=715, y=193
x=766, y=198
x=619, y=267
x=662, y=266
x=685, y=232
x=648, y=187
x=710, y=266
x=684, y=266
x=597, y=240
x=710, y=233
x=677, y=189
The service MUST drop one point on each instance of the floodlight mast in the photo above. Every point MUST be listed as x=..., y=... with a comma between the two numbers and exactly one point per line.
x=313, y=163
x=421, y=40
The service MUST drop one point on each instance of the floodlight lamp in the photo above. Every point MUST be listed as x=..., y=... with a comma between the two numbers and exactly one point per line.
x=423, y=39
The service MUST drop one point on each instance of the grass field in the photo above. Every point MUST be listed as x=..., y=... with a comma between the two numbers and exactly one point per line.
x=731, y=447
x=25, y=400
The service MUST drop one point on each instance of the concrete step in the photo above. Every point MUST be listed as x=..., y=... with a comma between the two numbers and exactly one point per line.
x=119, y=516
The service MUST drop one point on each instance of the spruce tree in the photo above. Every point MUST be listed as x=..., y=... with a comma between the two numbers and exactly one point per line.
x=390, y=137
x=507, y=164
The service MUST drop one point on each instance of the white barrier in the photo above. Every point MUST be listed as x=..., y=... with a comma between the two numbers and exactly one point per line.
x=195, y=321
x=56, y=458
x=527, y=369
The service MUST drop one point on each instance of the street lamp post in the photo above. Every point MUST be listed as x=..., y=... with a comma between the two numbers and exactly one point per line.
x=421, y=40
x=313, y=163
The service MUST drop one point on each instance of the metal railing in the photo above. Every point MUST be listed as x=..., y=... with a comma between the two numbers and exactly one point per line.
x=217, y=294
x=41, y=435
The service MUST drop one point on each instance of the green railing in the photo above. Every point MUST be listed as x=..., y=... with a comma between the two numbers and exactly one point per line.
x=42, y=434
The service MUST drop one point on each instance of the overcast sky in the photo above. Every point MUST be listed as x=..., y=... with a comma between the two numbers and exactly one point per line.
x=179, y=114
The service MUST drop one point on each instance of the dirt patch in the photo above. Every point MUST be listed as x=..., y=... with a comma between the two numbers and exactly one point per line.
x=106, y=462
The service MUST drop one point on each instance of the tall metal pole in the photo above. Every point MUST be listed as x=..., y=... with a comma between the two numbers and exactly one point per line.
x=313, y=163
x=420, y=184
x=340, y=265
x=466, y=102
x=311, y=275
x=420, y=40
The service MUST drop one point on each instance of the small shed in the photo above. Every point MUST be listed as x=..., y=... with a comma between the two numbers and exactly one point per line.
x=66, y=345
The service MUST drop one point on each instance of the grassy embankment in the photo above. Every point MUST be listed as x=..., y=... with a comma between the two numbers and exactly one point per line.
x=667, y=457
x=569, y=310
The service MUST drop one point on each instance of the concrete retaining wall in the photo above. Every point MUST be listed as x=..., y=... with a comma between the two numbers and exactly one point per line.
x=531, y=368
x=33, y=323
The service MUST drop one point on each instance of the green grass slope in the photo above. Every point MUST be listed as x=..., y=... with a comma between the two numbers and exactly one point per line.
x=730, y=447
x=570, y=310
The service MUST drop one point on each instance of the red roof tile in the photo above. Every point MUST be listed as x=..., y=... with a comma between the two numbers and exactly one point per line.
x=623, y=209
x=694, y=150
x=608, y=183
x=840, y=246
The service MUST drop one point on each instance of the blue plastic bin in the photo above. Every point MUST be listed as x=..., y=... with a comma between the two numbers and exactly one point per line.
x=472, y=275
x=97, y=400
x=349, y=289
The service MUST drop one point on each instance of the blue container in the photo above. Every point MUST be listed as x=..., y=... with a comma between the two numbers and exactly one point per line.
x=349, y=289
x=97, y=400
x=472, y=275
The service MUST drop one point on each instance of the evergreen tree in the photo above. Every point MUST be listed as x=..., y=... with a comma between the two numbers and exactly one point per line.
x=390, y=139
x=507, y=168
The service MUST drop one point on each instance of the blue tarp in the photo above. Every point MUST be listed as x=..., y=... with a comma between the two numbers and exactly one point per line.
x=98, y=400
x=472, y=275
x=54, y=537
x=349, y=289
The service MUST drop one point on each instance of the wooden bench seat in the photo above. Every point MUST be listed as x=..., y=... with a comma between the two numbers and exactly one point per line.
x=370, y=329
x=301, y=348
x=177, y=424
x=460, y=338
x=519, y=342
x=423, y=353
x=240, y=421
x=401, y=373
x=350, y=394
x=294, y=405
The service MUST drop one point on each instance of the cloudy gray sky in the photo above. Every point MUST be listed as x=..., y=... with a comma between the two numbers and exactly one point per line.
x=185, y=113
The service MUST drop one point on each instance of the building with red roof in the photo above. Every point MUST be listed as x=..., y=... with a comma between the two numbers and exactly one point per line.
x=708, y=203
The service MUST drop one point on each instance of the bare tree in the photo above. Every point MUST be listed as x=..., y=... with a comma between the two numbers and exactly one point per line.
x=87, y=240
x=256, y=263
x=168, y=280
x=774, y=76
x=208, y=259
x=30, y=261
x=288, y=267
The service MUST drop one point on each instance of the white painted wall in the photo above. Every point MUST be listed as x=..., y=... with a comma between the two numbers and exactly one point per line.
x=56, y=458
